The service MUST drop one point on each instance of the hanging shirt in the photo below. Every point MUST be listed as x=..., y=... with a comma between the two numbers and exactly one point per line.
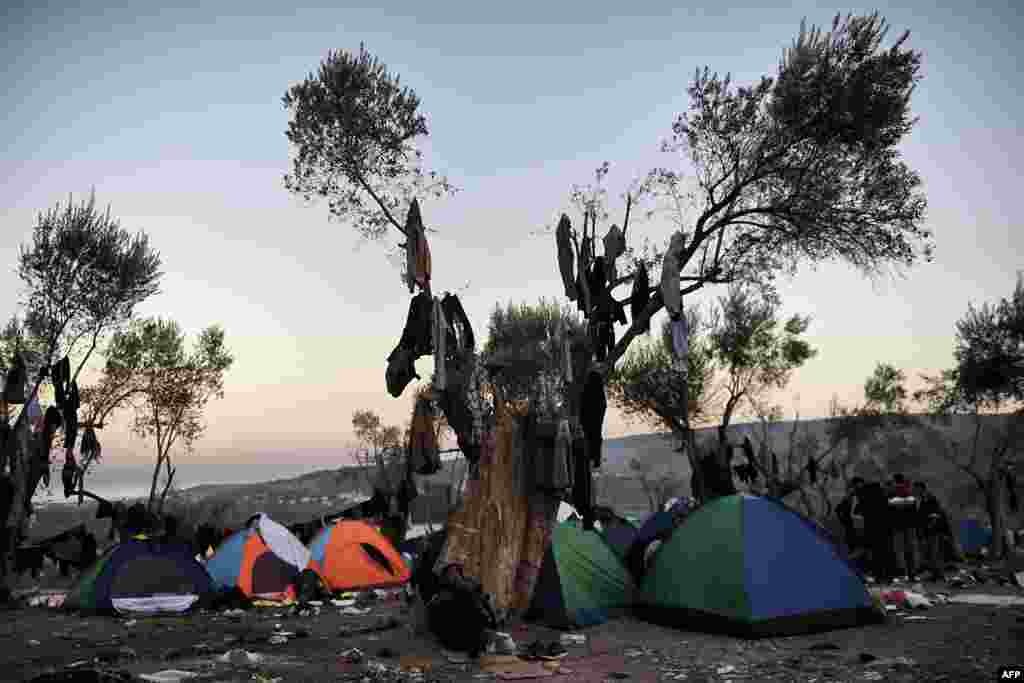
x=641, y=294
x=566, y=260
x=670, y=270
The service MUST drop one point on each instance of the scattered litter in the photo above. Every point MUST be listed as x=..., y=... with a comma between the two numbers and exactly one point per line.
x=896, y=662
x=240, y=657
x=233, y=612
x=983, y=599
x=917, y=618
x=168, y=676
x=277, y=640
x=570, y=639
x=343, y=603
x=727, y=669
x=34, y=643
x=356, y=611
x=455, y=657
x=354, y=655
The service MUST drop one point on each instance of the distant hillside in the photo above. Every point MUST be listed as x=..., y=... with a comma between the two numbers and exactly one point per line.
x=910, y=450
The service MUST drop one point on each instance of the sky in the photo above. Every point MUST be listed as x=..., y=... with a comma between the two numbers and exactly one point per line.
x=174, y=115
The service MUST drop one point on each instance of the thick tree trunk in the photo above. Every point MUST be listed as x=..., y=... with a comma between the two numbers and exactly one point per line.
x=994, y=506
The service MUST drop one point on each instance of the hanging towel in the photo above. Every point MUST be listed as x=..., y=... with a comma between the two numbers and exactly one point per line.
x=641, y=294
x=670, y=270
x=566, y=260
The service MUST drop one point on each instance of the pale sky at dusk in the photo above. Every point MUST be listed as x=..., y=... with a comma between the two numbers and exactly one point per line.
x=175, y=116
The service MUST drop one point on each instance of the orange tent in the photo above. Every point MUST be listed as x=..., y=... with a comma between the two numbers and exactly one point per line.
x=351, y=555
x=262, y=560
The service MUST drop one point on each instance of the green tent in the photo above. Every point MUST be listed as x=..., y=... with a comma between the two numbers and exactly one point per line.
x=580, y=580
x=751, y=566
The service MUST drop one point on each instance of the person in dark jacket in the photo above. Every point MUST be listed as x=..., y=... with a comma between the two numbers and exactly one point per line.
x=931, y=523
x=903, y=519
x=844, y=512
x=873, y=505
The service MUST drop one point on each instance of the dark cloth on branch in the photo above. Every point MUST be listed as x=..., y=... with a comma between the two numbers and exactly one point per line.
x=401, y=370
x=641, y=294
x=775, y=465
x=614, y=247
x=91, y=447
x=417, y=336
x=459, y=322
x=566, y=258
x=1011, y=488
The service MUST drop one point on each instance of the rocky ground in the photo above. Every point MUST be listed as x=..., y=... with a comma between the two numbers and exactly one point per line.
x=946, y=642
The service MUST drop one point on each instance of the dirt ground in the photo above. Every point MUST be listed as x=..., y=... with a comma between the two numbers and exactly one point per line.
x=954, y=642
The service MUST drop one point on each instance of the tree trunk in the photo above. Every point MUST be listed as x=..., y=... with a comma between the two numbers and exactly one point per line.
x=152, y=487
x=994, y=506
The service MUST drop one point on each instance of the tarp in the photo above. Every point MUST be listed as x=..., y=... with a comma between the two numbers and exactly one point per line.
x=352, y=555
x=581, y=579
x=141, y=576
x=262, y=559
x=751, y=566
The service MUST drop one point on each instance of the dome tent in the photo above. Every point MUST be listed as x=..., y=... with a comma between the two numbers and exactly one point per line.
x=262, y=559
x=580, y=580
x=141, y=576
x=752, y=567
x=352, y=555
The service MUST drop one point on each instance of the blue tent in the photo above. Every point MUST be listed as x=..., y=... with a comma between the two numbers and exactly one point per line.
x=751, y=566
x=141, y=576
x=973, y=536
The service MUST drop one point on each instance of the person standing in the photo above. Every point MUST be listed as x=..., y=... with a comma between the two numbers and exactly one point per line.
x=903, y=516
x=844, y=512
x=931, y=526
x=872, y=505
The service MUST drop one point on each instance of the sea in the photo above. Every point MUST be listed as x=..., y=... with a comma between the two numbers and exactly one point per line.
x=114, y=480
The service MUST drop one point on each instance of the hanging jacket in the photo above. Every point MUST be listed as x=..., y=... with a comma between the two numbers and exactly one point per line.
x=614, y=247
x=400, y=371
x=775, y=465
x=456, y=317
x=418, y=334
x=59, y=375
x=641, y=294
x=592, y=412
x=748, y=449
x=670, y=271
x=417, y=253
x=566, y=259
x=440, y=340
x=423, y=265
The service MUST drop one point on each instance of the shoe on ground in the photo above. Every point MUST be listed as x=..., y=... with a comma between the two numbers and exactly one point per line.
x=552, y=651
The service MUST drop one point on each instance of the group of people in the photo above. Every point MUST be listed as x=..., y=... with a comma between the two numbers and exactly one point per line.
x=895, y=529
